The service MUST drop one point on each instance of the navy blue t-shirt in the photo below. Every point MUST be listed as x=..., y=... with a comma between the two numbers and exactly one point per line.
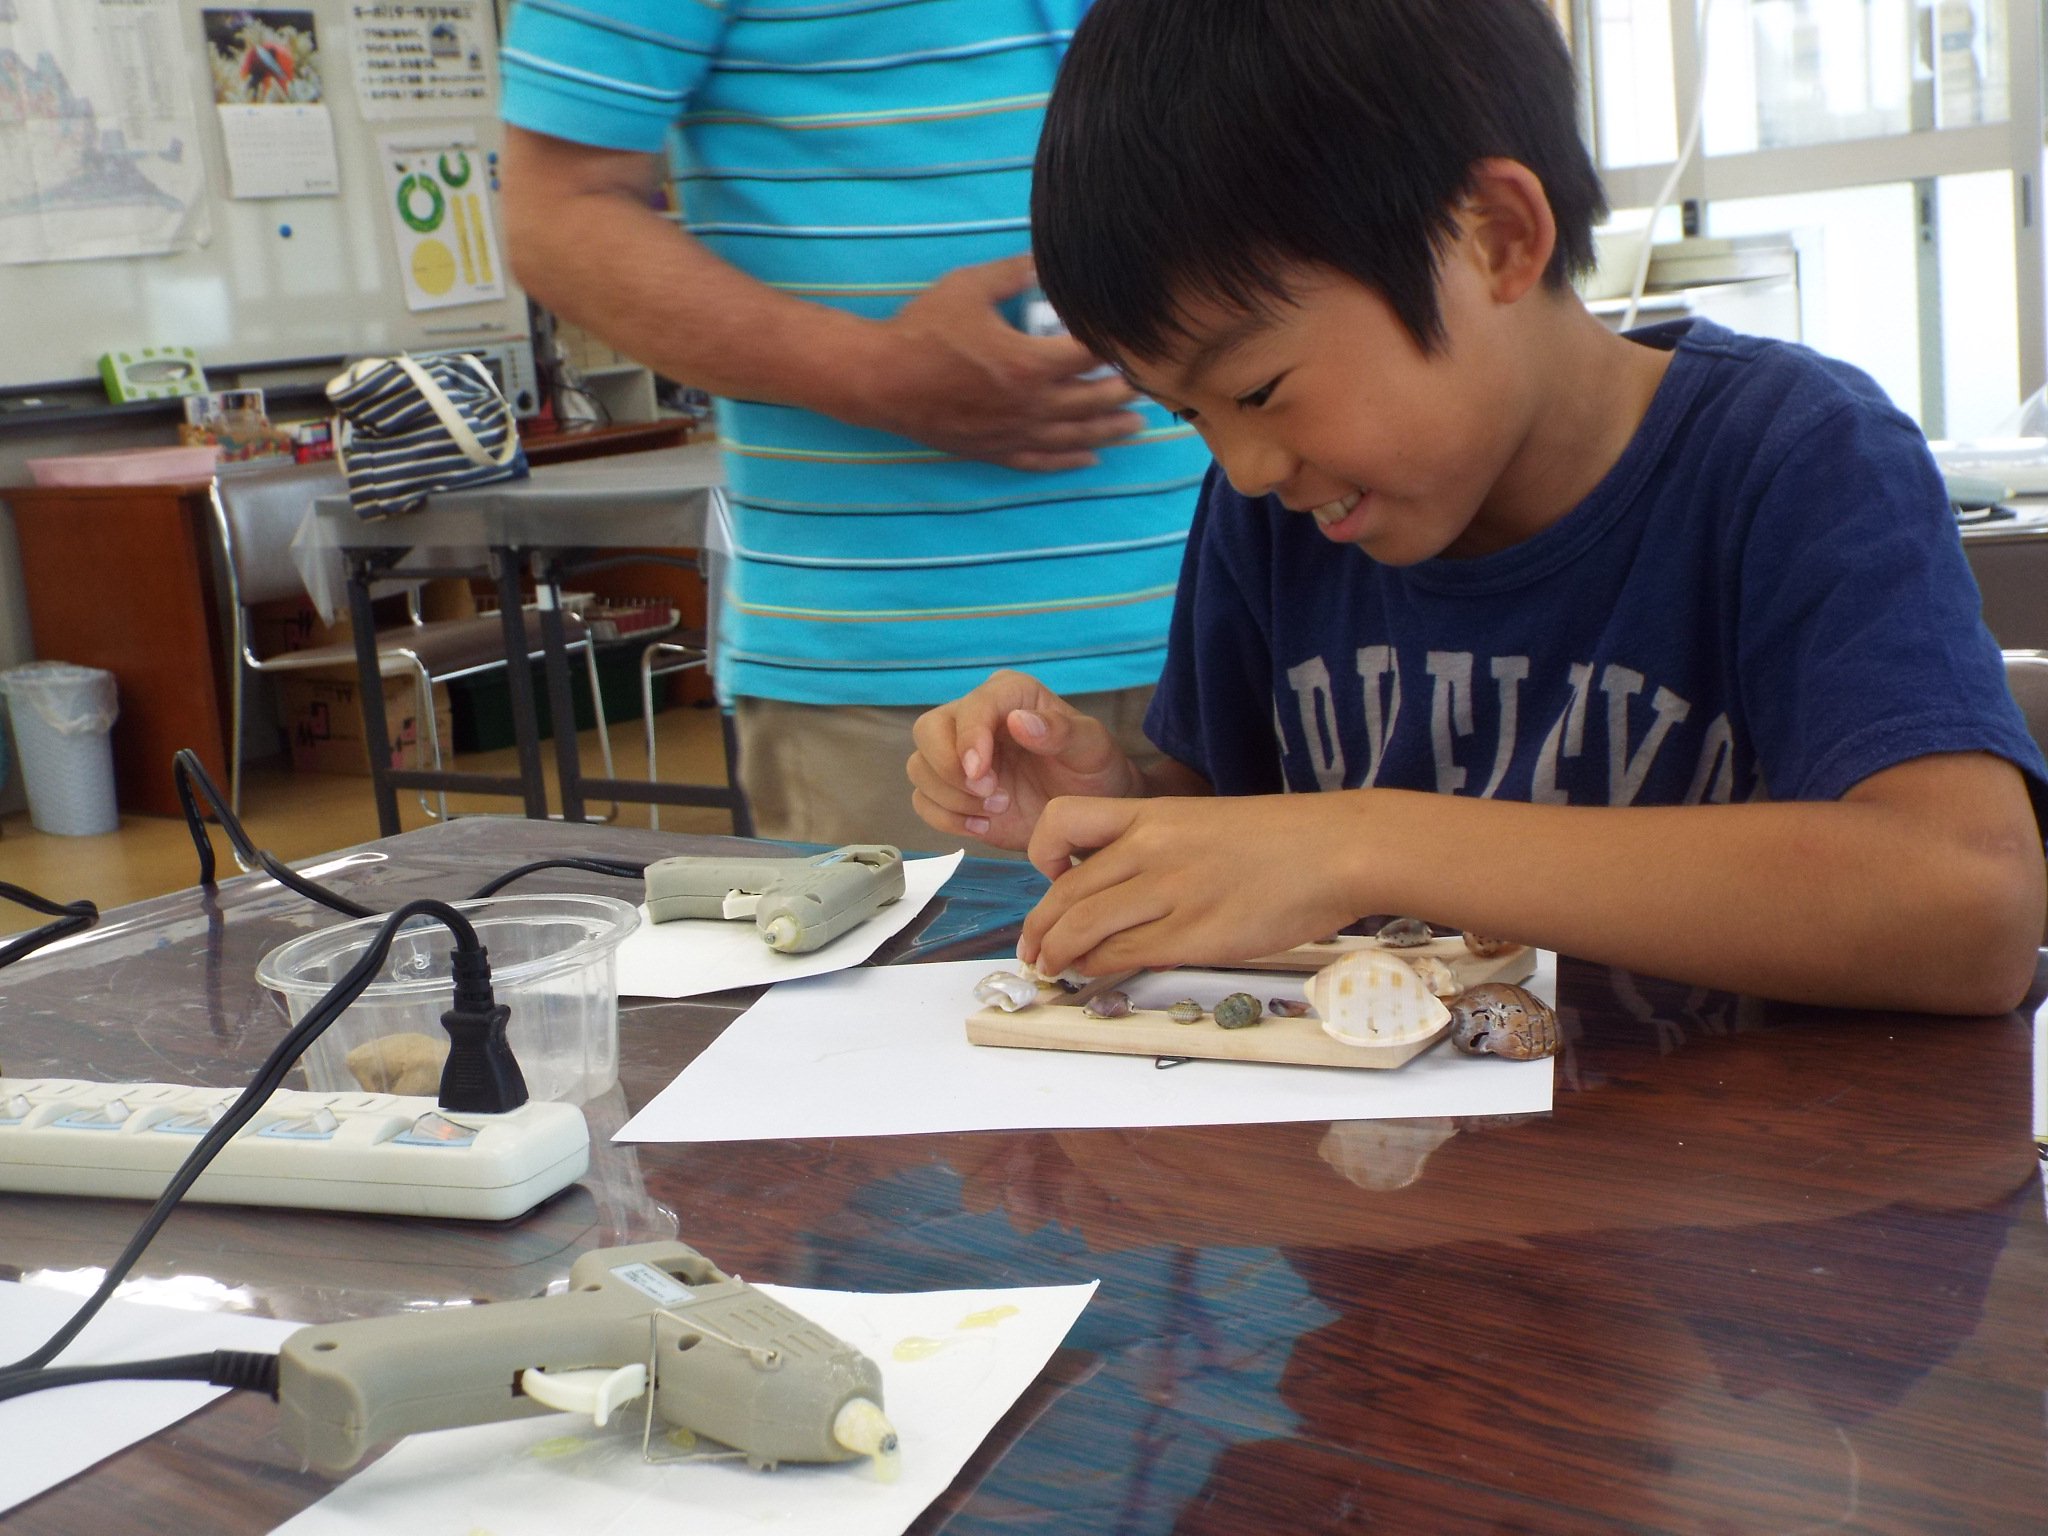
x=1764, y=597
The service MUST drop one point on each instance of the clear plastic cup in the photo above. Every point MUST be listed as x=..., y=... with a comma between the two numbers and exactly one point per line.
x=554, y=961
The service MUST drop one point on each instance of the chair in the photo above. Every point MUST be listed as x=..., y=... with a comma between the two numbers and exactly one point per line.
x=2026, y=674
x=257, y=513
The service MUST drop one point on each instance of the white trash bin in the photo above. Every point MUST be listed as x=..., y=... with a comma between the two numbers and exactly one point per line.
x=61, y=716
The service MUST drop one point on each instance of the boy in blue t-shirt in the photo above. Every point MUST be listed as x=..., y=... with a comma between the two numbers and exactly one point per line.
x=1657, y=650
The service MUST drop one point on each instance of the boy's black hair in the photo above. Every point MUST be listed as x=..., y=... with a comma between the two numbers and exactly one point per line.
x=1195, y=149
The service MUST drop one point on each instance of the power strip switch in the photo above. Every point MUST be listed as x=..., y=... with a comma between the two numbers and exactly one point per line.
x=384, y=1152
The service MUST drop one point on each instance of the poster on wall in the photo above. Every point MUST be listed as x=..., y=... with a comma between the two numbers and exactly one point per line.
x=99, y=152
x=267, y=89
x=423, y=58
x=437, y=196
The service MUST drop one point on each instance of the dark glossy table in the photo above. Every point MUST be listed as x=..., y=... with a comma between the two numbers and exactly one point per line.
x=1764, y=1269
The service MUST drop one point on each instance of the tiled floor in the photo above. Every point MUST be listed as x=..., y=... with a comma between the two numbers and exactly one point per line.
x=297, y=816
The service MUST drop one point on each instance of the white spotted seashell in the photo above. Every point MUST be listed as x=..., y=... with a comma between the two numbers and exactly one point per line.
x=1371, y=998
x=1005, y=990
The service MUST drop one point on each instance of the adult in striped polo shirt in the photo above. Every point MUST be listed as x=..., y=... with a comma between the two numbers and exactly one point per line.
x=921, y=492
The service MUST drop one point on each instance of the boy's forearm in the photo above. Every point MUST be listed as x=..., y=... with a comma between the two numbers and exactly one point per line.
x=1849, y=902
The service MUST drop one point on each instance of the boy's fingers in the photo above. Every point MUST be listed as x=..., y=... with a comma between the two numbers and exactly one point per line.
x=1078, y=824
x=954, y=735
x=1098, y=921
x=936, y=815
x=926, y=781
x=1077, y=741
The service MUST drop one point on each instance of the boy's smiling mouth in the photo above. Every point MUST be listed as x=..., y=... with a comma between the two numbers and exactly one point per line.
x=1332, y=512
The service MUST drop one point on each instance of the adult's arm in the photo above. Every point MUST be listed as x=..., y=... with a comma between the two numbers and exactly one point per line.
x=946, y=370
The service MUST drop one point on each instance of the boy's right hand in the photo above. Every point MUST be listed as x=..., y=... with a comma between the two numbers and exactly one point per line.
x=987, y=763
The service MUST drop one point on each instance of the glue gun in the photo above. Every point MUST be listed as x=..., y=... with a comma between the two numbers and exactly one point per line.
x=718, y=1357
x=797, y=904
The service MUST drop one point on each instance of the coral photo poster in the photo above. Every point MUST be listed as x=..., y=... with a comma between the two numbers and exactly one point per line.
x=267, y=89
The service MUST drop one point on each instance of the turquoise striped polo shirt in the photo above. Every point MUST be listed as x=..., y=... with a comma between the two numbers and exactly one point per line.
x=850, y=152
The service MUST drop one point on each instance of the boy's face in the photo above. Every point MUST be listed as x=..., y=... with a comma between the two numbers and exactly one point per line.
x=1329, y=405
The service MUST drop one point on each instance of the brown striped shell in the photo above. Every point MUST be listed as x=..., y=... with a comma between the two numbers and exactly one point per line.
x=1497, y=1019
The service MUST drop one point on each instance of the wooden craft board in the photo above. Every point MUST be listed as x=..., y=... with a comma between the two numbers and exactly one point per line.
x=1059, y=1025
x=1313, y=957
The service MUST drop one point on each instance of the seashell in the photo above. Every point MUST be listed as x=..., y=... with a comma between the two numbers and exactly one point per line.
x=1438, y=977
x=1186, y=1011
x=1005, y=990
x=1497, y=1019
x=1486, y=949
x=1373, y=998
x=1288, y=1008
x=1240, y=1010
x=1403, y=933
x=1069, y=980
x=407, y=1063
x=1108, y=1005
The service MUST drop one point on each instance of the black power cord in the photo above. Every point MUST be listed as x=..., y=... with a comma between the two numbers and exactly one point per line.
x=192, y=778
x=72, y=917
x=239, y=1368
x=188, y=773
x=476, y=1024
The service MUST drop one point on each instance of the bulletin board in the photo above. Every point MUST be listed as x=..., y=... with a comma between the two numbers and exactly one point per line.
x=144, y=162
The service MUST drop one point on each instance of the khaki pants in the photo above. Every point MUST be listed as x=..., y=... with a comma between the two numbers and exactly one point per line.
x=834, y=773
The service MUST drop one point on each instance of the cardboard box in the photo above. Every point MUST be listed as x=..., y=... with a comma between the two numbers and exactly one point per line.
x=291, y=624
x=320, y=714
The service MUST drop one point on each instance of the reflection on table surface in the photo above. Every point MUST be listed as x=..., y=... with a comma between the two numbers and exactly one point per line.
x=1764, y=1268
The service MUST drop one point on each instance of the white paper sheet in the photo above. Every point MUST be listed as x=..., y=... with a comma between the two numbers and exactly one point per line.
x=884, y=1052
x=693, y=956
x=437, y=186
x=280, y=151
x=423, y=58
x=51, y=1436
x=557, y=1476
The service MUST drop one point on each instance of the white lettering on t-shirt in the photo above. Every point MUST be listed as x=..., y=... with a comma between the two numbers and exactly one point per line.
x=1567, y=737
x=1450, y=710
x=1374, y=663
x=1626, y=770
x=1311, y=684
x=1509, y=673
x=1717, y=763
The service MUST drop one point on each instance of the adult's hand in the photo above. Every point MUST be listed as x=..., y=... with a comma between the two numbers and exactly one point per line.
x=949, y=371
x=945, y=370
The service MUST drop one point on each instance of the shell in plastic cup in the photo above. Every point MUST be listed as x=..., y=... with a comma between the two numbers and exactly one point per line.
x=554, y=962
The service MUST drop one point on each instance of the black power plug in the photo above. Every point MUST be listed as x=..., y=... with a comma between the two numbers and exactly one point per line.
x=482, y=1075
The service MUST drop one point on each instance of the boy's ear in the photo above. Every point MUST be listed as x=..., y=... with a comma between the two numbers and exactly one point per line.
x=1508, y=223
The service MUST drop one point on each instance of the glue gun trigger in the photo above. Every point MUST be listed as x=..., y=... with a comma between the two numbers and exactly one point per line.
x=595, y=1392
x=741, y=904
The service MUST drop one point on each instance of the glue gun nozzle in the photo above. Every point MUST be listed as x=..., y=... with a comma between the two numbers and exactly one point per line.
x=863, y=1429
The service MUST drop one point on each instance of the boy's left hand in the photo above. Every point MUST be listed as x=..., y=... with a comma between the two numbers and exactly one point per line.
x=1186, y=881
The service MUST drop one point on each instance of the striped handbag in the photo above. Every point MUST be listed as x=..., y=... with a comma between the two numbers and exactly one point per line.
x=406, y=428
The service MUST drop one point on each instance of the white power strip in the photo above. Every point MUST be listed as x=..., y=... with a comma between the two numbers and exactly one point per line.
x=316, y=1151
